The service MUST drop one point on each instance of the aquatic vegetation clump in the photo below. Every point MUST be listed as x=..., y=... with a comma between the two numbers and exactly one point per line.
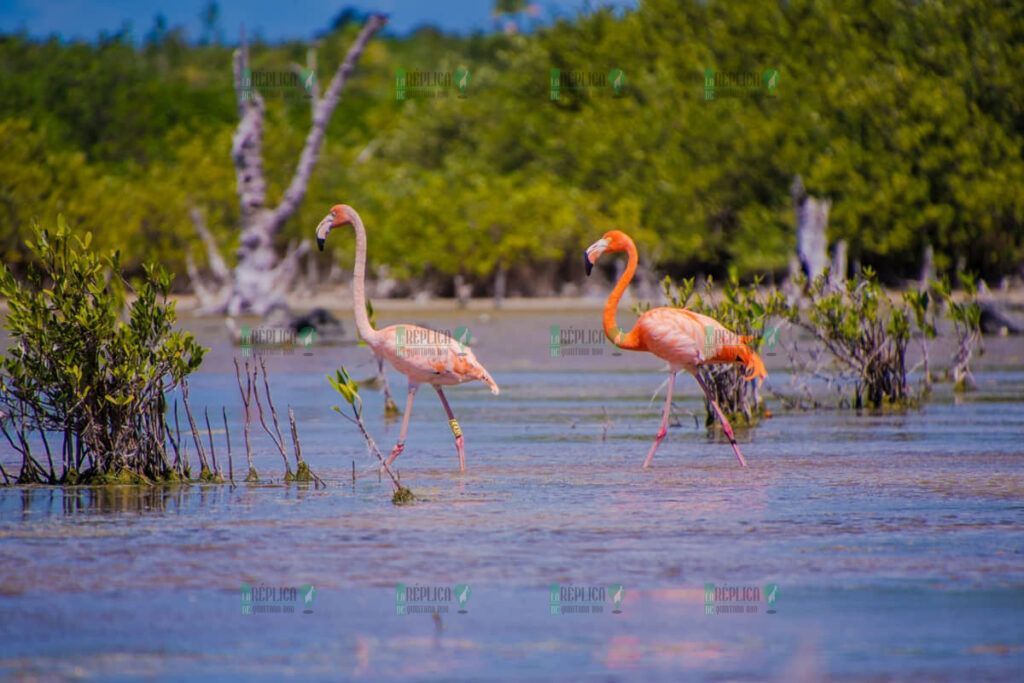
x=866, y=333
x=402, y=496
x=303, y=473
x=208, y=476
x=122, y=477
x=89, y=363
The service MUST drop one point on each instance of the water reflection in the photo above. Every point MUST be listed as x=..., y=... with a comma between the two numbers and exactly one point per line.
x=37, y=502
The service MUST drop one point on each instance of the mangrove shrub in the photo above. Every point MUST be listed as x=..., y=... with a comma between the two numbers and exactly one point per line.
x=91, y=359
x=865, y=331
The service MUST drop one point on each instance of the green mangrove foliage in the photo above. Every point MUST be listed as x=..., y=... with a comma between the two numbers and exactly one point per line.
x=348, y=388
x=865, y=331
x=907, y=115
x=750, y=311
x=81, y=369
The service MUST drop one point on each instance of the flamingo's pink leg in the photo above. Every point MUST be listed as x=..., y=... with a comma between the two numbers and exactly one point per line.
x=456, y=429
x=664, y=420
x=400, y=446
x=726, y=427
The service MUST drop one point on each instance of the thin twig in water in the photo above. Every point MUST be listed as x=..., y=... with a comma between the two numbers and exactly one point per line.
x=678, y=422
x=227, y=435
x=209, y=434
x=195, y=431
x=371, y=445
x=270, y=402
x=276, y=439
x=247, y=416
x=182, y=463
x=298, y=449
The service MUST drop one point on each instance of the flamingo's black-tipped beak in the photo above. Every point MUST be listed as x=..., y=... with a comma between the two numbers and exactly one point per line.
x=323, y=229
x=593, y=253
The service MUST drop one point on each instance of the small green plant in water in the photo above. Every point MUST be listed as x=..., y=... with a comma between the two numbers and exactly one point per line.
x=349, y=390
x=402, y=496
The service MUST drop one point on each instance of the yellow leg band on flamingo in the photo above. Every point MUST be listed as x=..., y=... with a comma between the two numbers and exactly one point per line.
x=456, y=429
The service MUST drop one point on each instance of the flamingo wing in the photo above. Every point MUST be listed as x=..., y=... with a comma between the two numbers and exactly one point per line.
x=432, y=357
x=675, y=335
x=688, y=340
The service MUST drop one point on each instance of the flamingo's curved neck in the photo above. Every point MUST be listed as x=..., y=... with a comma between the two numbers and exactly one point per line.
x=366, y=330
x=616, y=334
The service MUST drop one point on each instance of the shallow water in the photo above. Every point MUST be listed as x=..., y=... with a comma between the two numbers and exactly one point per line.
x=896, y=541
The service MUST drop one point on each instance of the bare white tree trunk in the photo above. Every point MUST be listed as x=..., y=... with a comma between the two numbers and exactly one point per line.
x=811, y=226
x=463, y=290
x=260, y=280
x=837, y=273
x=927, y=268
x=500, y=286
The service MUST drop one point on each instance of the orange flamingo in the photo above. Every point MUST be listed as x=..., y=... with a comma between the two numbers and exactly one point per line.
x=424, y=356
x=686, y=340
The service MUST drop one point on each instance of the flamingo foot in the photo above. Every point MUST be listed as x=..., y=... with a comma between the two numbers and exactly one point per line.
x=736, y=449
x=654, y=447
x=727, y=428
x=461, y=450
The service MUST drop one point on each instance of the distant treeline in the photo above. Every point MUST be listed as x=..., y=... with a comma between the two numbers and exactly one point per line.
x=909, y=116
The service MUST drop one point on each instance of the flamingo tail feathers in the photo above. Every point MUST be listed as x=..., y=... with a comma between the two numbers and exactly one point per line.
x=486, y=378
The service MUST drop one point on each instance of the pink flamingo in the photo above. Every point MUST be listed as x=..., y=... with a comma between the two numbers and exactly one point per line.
x=424, y=356
x=686, y=340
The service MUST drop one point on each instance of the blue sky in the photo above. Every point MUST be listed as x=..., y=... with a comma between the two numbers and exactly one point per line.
x=273, y=19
